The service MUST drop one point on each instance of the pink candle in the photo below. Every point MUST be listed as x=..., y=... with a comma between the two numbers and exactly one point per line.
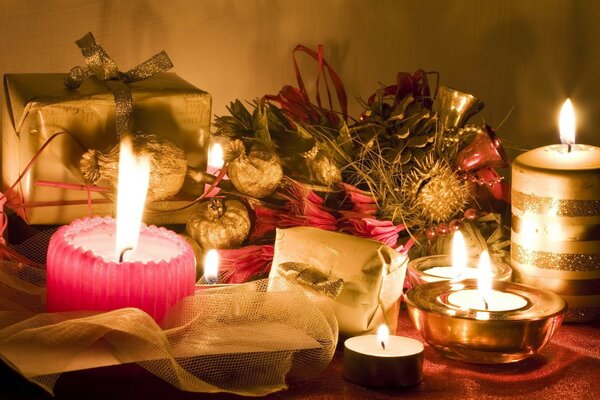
x=83, y=271
x=104, y=264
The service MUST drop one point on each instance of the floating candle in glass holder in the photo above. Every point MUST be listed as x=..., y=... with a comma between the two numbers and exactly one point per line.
x=456, y=266
x=485, y=321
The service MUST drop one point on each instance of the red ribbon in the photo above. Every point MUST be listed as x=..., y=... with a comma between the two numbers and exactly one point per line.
x=296, y=102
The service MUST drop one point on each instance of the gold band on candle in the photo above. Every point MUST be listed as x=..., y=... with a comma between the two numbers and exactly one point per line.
x=558, y=261
x=533, y=270
x=558, y=207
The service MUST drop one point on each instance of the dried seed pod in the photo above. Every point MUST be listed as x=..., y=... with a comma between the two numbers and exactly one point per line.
x=219, y=224
x=256, y=174
x=168, y=165
x=432, y=193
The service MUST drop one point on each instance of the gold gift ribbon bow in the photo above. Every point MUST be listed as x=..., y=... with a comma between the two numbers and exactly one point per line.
x=305, y=275
x=100, y=65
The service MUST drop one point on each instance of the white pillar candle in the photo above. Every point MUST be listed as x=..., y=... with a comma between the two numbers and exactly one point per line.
x=556, y=220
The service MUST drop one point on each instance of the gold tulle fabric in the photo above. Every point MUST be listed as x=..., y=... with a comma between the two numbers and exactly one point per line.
x=238, y=339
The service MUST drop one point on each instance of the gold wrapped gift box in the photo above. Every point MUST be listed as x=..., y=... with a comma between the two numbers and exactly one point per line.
x=361, y=279
x=38, y=106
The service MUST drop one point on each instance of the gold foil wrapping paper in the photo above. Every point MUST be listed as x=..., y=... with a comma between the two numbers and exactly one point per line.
x=38, y=106
x=555, y=232
x=372, y=275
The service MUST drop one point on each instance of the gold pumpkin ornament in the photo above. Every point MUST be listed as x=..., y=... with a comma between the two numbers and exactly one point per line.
x=256, y=174
x=219, y=224
x=168, y=165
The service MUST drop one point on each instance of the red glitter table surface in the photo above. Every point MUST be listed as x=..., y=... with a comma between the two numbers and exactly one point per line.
x=567, y=368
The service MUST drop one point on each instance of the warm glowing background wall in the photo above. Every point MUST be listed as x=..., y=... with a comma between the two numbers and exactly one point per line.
x=521, y=55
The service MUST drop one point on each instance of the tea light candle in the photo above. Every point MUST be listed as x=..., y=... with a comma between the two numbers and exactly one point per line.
x=458, y=269
x=484, y=298
x=214, y=165
x=432, y=268
x=215, y=159
x=100, y=264
x=210, y=279
x=211, y=267
x=382, y=360
x=555, y=218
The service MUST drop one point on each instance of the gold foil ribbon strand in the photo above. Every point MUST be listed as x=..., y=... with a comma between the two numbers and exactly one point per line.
x=558, y=207
x=100, y=65
x=305, y=275
x=555, y=261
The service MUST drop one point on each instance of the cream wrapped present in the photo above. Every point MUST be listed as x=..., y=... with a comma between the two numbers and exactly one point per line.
x=361, y=279
x=37, y=106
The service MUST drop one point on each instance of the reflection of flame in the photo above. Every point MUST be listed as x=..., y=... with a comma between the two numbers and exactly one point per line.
x=461, y=104
x=566, y=123
x=553, y=229
x=553, y=210
x=528, y=224
x=383, y=335
x=134, y=175
x=215, y=156
x=459, y=254
x=211, y=266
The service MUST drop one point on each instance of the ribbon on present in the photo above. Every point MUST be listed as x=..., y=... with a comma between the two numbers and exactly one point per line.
x=100, y=65
x=307, y=276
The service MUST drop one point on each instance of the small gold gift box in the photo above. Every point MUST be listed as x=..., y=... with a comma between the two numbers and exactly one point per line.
x=361, y=279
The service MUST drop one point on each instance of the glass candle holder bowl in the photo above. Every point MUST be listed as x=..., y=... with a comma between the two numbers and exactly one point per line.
x=417, y=269
x=487, y=337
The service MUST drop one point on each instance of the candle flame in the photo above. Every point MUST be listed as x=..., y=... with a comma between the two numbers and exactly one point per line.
x=215, y=156
x=484, y=280
x=211, y=266
x=459, y=254
x=133, y=180
x=383, y=335
x=566, y=123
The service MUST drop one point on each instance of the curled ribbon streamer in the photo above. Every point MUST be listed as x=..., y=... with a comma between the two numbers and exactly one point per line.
x=323, y=66
x=5, y=249
x=305, y=275
x=204, y=195
x=100, y=65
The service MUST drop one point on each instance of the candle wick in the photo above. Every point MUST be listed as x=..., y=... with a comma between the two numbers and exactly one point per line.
x=486, y=306
x=123, y=253
x=383, y=344
x=211, y=280
x=568, y=147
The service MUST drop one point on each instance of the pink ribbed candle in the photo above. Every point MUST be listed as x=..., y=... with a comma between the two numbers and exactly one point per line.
x=83, y=272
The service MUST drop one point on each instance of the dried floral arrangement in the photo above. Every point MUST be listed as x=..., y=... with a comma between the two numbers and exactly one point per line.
x=409, y=170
